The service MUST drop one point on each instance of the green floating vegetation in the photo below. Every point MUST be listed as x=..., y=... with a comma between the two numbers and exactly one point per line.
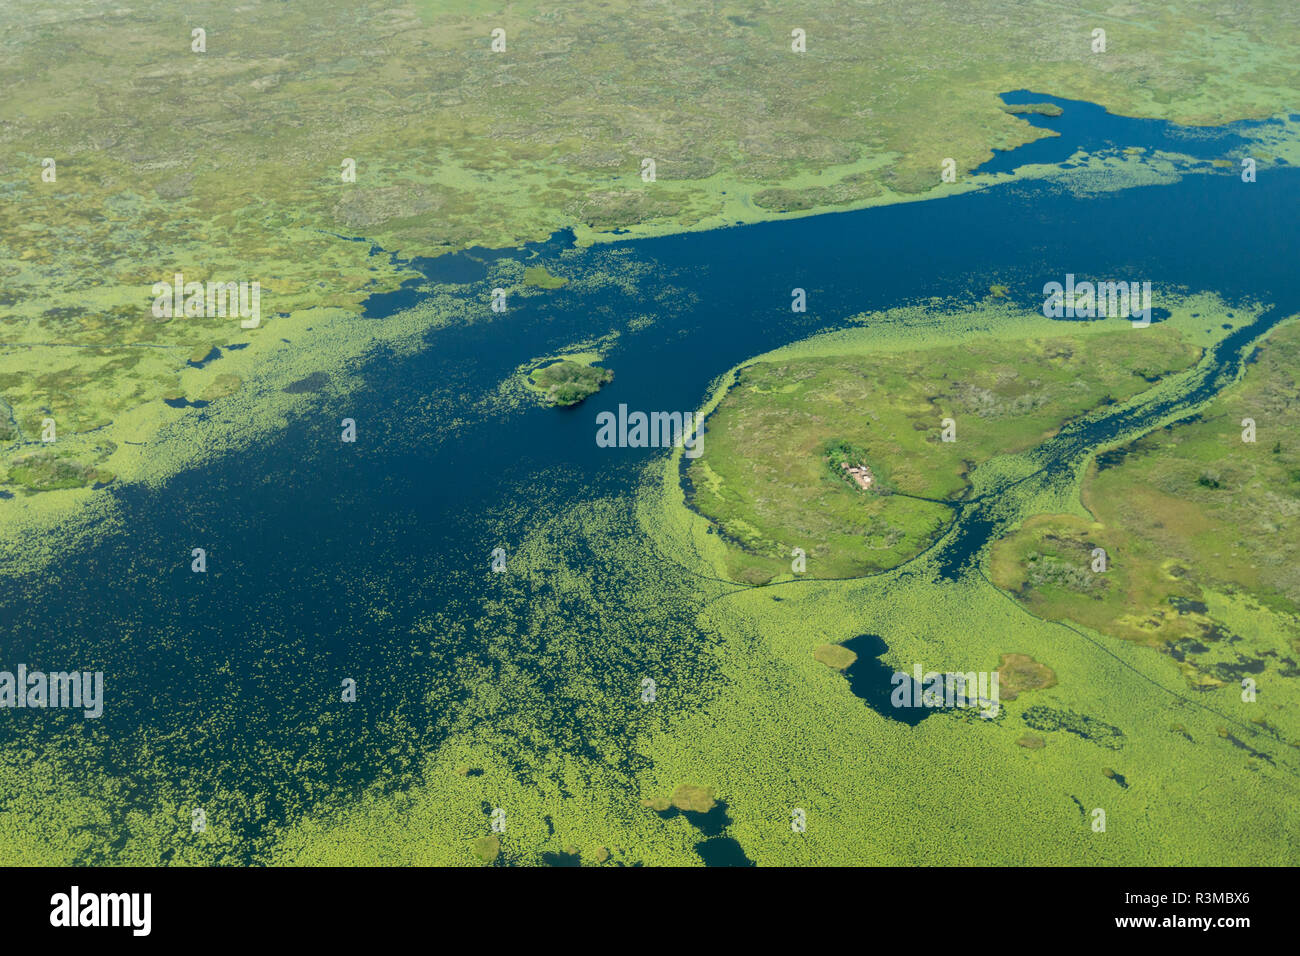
x=568, y=383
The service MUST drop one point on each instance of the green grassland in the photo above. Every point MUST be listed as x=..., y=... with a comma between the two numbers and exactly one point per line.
x=765, y=480
x=226, y=164
x=1202, y=531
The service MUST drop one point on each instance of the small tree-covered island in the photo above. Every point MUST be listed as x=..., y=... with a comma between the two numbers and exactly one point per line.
x=567, y=383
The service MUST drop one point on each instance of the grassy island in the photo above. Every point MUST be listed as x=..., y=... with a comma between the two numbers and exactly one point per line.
x=1042, y=109
x=538, y=277
x=568, y=383
x=844, y=455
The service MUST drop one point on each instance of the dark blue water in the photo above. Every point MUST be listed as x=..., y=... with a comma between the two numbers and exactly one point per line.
x=872, y=680
x=371, y=560
x=464, y=267
x=1090, y=128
